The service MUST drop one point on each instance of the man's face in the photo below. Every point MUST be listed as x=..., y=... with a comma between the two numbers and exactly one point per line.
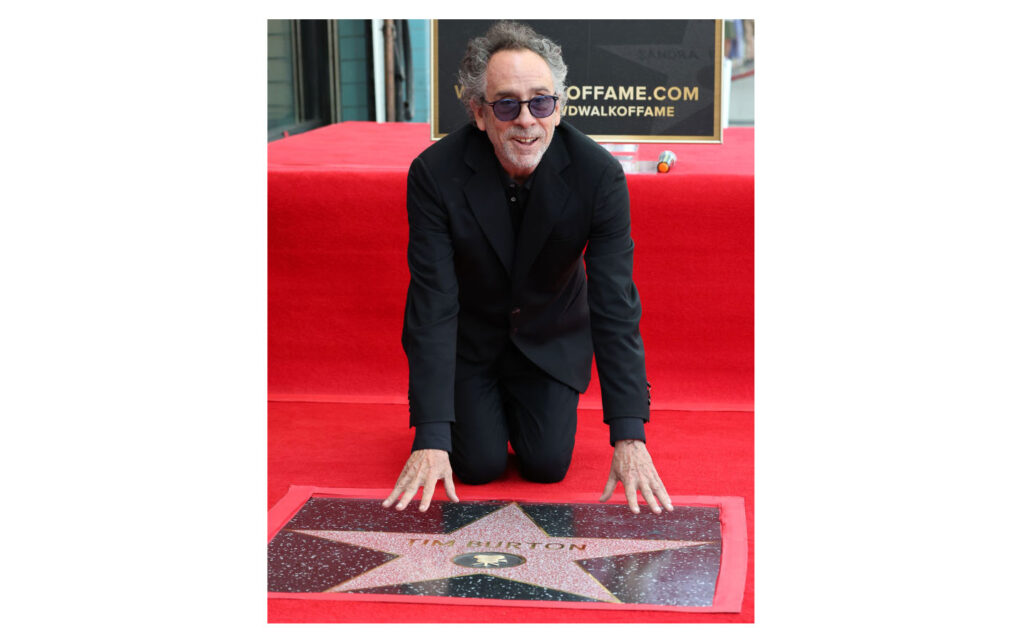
x=521, y=142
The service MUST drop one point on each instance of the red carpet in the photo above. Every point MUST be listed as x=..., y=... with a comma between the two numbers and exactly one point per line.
x=336, y=227
x=362, y=445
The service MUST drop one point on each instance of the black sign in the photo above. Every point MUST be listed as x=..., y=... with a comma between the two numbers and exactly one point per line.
x=628, y=80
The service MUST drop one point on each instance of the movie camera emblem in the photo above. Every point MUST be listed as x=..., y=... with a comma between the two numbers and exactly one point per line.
x=488, y=560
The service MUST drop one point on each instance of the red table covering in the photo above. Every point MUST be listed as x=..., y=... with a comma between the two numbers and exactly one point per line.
x=337, y=272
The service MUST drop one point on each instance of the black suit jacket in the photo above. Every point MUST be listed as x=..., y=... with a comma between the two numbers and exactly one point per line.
x=563, y=294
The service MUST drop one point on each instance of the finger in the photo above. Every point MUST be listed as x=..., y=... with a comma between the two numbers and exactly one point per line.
x=663, y=497
x=428, y=494
x=449, y=487
x=609, y=488
x=645, y=490
x=659, y=490
x=630, y=488
x=407, y=497
x=393, y=496
x=402, y=484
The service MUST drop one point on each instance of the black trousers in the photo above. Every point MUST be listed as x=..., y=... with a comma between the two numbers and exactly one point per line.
x=517, y=403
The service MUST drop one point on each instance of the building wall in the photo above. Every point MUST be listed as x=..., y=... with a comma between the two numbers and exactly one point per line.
x=355, y=61
x=419, y=36
x=280, y=76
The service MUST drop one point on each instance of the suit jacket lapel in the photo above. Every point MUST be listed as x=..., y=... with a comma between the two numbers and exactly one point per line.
x=547, y=200
x=487, y=199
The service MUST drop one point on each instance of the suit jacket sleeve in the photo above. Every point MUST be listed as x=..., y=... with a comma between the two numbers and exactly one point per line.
x=432, y=302
x=614, y=302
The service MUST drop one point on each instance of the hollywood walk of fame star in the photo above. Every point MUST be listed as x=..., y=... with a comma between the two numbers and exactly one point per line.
x=550, y=562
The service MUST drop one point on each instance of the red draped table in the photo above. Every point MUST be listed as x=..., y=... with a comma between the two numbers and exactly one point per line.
x=337, y=272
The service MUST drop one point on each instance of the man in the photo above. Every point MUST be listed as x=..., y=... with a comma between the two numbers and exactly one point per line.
x=521, y=273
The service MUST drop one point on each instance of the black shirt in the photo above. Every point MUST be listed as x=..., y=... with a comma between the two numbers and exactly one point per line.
x=516, y=196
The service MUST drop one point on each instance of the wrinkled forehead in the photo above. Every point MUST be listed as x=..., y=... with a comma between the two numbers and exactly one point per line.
x=517, y=72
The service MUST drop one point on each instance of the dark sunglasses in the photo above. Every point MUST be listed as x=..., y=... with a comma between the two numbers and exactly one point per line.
x=508, y=109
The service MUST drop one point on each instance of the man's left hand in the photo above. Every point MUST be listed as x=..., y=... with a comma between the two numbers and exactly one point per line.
x=633, y=466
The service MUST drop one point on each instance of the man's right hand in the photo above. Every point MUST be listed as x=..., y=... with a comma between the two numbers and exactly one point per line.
x=423, y=468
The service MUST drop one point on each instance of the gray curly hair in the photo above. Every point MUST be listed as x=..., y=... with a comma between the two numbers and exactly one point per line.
x=503, y=36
